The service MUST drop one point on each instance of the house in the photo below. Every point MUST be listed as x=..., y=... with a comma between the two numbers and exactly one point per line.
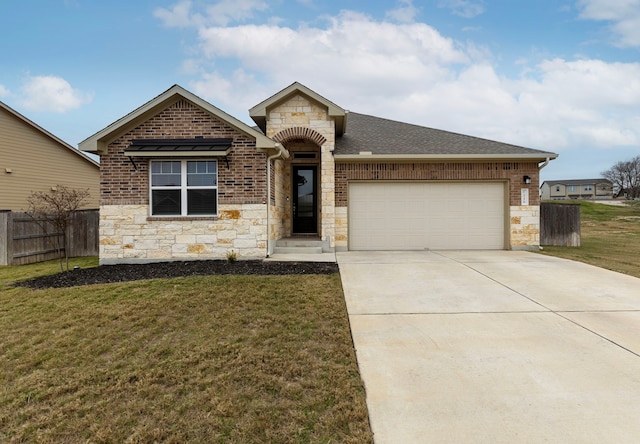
x=576, y=189
x=32, y=159
x=182, y=179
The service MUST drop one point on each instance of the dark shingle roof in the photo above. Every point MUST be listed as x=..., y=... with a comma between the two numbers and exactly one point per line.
x=576, y=181
x=388, y=137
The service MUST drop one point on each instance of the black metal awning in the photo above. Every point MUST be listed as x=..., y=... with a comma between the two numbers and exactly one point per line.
x=179, y=147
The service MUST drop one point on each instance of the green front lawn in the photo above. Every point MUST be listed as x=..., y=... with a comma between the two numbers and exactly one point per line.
x=238, y=359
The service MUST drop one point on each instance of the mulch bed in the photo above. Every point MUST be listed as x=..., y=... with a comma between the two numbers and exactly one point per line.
x=131, y=272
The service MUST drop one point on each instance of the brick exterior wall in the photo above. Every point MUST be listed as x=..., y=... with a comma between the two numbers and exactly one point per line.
x=243, y=182
x=129, y=234
x=511, y=171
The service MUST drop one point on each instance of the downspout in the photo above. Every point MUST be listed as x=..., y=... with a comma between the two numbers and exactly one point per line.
x=540, y=167
x=546, y=162
x=280, y=153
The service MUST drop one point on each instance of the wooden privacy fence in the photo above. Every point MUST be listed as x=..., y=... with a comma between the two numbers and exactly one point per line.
x=560, y=224
x=24, y=240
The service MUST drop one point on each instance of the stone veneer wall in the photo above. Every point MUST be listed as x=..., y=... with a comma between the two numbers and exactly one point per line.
x=525, y=226
x=524, y=221
x=279, y=205
x=128, y=235
x=299, y=111
x=342, y=229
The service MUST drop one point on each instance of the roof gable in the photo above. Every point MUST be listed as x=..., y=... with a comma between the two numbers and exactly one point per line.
x=259, y=112
x=384, y=138
x=99, y=141
x=35, y=127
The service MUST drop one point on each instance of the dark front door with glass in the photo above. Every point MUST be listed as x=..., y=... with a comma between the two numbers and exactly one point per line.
x=305, y=203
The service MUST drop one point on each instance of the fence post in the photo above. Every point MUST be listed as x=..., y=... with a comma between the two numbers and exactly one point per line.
x=6, y=234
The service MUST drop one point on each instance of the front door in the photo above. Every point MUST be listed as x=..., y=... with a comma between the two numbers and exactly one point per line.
x=305, y=203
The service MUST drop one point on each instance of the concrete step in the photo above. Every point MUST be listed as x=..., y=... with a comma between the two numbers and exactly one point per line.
x=298, y=242
x=297, y=250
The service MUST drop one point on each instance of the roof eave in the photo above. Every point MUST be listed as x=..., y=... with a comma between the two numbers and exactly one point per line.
x=366, y=157
x=99, y=141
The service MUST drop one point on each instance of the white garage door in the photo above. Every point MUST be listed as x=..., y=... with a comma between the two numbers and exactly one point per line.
x=416, y=216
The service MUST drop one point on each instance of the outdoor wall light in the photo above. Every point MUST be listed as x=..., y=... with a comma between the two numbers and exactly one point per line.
x=526, y=179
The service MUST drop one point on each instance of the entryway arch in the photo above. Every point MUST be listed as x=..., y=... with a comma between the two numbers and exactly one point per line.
x=297, y=133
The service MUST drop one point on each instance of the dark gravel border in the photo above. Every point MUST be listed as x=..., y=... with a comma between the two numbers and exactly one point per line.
x=132, y=272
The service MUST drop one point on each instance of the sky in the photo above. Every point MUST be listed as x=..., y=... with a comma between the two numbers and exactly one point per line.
x=555, y=75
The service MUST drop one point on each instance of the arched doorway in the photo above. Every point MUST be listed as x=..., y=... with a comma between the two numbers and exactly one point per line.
x=302, y=180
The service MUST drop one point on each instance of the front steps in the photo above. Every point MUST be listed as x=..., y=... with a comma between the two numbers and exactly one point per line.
x=298, y=245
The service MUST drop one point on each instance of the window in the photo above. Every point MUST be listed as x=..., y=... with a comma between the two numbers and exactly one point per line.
x=588, y=188
x=558, y=189
x=184, y=187
x=571, y=188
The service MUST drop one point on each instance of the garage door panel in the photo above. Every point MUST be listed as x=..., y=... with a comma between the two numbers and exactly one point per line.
x=406, y=216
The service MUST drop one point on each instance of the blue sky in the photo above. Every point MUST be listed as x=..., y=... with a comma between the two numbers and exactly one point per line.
x=556, y=75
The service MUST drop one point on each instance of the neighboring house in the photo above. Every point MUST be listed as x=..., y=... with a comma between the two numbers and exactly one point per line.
x=576, y=189
x=181, y=179
x=32, y=159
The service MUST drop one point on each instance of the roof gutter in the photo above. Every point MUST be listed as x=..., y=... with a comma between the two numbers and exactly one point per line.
x=367, y=156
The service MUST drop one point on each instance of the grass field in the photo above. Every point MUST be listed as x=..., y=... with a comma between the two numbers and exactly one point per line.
x=240, y=359
x=610, y=238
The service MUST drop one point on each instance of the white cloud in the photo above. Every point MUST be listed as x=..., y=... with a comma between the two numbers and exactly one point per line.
x=220, y=13
x=463, y=8
x=624, y=16
x=559, y=105
x=589, y=102
x=405, y=13
x=51, y=93
x=411, y=72
x=178, y=16
x=350, y=41
x=4, y=92
x=227, y=11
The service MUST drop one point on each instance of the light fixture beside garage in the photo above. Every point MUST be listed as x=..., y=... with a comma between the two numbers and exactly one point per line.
x=526, y=179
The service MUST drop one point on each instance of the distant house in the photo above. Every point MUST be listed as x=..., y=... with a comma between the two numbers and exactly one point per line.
x=576, y=189
x=32, y=159
x=182, y=179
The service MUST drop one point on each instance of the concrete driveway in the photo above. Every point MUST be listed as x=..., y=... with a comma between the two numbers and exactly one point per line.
x=494, y=346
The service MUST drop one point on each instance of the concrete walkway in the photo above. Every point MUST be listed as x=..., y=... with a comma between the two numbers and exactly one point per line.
x=494, y=347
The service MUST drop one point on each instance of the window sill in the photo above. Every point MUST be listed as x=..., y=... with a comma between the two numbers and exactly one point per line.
x=179, y=218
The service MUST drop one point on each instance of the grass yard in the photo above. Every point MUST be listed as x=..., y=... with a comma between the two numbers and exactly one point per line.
x=610, y=238
x=241, y=359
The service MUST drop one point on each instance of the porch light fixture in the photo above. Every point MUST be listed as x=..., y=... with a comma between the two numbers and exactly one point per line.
x=526, y=179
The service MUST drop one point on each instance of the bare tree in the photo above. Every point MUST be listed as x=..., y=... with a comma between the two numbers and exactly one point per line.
x=625, y=176
x=54, y=209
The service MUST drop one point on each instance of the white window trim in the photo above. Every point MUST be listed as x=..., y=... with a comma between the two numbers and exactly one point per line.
x=183, y=189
